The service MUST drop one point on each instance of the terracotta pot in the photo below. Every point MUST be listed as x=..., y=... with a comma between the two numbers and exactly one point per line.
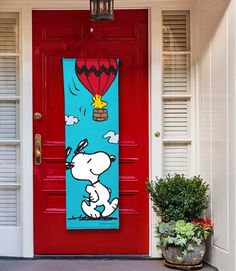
x=173, y=254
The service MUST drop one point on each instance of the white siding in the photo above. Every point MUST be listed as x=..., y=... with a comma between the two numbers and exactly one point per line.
x=217, y=123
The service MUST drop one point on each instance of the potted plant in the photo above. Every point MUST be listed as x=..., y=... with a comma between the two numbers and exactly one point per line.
x=182, y=230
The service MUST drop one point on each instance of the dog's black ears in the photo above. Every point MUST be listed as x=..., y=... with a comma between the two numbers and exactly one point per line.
x=81, y=146
x=68, y=150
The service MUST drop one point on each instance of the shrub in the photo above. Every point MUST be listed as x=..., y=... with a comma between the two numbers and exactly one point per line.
x=178, y=198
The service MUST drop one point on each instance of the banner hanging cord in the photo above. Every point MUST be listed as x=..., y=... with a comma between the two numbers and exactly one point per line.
x=91, y=33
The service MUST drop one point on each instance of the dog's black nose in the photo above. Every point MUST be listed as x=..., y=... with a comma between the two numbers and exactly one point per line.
x=69, y=165
x=112, y=158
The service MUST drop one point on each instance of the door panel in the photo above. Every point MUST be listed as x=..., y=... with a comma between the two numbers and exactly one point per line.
x=58, y=34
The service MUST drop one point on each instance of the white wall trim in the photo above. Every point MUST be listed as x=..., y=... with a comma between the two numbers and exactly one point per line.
x=62, y=4
x=10, y=235
x=194, y=102
x=155, y=114
x=27, y=134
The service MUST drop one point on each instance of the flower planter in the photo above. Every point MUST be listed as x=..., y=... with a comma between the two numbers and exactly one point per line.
x=174, y=255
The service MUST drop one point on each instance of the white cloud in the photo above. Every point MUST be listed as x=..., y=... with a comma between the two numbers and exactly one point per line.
x=71, y=120
x=112, y=137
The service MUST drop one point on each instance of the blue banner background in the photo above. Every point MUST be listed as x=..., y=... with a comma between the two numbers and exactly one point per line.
x=79, y=105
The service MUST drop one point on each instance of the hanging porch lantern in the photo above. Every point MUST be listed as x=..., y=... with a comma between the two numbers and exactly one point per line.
x=101, y=10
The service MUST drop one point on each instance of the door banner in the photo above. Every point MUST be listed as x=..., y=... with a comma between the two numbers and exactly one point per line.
x=92, y=151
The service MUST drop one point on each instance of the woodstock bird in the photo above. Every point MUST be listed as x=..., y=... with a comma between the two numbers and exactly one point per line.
x=97, y=102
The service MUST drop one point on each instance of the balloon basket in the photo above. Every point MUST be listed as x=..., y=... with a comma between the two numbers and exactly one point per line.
x=100, y=114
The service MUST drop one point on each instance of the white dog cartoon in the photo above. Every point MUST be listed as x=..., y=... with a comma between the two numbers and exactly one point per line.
x=89, y=166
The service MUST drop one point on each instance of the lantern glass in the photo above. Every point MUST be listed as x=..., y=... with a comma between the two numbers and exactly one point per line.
x=101, y=10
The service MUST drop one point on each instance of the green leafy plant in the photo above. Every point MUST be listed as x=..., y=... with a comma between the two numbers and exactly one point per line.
x=184, y=234
x=175, y=233
x=178, y=198
x=184, y=228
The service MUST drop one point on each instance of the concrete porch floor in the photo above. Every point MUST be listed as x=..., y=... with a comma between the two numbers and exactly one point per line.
x=85, y=265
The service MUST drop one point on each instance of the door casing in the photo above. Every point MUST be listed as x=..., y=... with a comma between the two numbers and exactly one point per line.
x=49, y=187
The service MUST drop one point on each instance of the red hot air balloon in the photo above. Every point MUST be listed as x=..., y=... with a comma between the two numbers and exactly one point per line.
x=97, y=76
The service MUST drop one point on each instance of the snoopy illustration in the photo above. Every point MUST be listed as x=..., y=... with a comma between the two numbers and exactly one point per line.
x=89, y=166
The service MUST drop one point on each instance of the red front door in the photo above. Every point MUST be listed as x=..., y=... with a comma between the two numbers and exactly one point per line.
x=58, y=34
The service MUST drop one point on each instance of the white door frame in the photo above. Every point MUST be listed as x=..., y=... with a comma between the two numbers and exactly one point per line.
x=25, y=8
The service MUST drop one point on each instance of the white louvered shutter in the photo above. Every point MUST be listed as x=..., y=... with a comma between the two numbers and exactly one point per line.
x=176, y=85
x=176, y=118
x=9, y=120
x=176, y=31
x=176, y=74
x=9, y=32
x=8, y=207
x=8, y=75
x=176, y=158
